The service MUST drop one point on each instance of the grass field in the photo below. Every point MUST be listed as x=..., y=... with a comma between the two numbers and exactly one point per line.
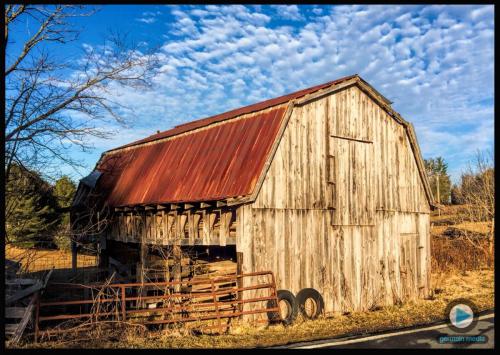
x=36, y=260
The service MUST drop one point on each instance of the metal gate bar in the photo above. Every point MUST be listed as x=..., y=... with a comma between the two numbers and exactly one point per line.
x=216, y=309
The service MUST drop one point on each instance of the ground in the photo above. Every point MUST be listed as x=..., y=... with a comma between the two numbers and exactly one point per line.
x=477, y=286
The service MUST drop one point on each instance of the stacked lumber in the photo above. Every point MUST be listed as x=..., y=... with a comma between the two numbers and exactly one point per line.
x=156, y=269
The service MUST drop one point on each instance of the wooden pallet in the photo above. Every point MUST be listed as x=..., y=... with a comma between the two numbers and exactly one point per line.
x=23, y=314
x=16, y=294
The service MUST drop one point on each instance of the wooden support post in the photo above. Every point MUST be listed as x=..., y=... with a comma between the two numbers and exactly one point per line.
x=74, y=255
x=191, y=228
x=163, y=228
x=239, y=271
x=142, y=259
x=196, y=225
x=141, y=265
x=103, y=252
x=176, y=249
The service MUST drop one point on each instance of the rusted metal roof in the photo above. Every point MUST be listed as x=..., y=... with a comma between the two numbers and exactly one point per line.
x=214, y=158
x=215, y=163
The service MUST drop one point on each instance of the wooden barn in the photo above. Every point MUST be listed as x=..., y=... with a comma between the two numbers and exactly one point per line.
x=325, y=187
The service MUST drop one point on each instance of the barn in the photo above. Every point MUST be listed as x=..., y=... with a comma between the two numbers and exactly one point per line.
x=325, y=187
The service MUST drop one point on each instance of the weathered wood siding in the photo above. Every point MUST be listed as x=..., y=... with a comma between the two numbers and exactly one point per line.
x=342, y=207
x=169, y=227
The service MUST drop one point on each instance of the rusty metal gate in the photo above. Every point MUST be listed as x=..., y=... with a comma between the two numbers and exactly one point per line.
x=218, y=300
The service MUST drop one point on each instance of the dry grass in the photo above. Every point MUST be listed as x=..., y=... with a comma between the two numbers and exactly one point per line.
x=458, y=245
x=478, y=286
x=33, y=260
x=475, y=227
x=460, y=254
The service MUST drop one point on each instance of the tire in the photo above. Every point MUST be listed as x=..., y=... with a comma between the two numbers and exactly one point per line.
x=314, y=298
x=292, y=308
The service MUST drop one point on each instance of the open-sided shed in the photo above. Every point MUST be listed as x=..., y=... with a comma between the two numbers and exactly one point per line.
x=325, y=187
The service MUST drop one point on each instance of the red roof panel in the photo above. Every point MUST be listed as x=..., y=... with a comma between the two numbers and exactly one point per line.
x=218, y=162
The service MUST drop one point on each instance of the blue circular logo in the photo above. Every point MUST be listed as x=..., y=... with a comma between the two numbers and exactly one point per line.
x=461, y=315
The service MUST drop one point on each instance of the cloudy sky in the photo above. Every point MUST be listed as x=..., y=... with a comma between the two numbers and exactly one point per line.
x=434, y=62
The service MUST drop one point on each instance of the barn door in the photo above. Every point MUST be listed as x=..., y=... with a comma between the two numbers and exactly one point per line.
x=351, y=180
x=409, y=264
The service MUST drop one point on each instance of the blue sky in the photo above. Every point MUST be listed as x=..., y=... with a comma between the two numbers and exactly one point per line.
x=434, y=62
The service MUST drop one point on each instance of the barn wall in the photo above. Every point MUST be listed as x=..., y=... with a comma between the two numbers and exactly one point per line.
x=342, y=208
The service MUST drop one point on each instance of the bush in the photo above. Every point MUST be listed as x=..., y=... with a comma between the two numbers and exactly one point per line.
x=62, y=240
x=460, y=253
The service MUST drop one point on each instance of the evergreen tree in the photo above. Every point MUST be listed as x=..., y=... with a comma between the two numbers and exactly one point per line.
x=456, y=195
x=64, y=190
x=437, y=172
x=30, y=213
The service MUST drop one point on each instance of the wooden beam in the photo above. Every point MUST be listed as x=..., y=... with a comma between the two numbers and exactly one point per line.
x=15, y=312
x=205, y=205
x=351, y=139
x=327, y=91
x=173, y=206
x=149, y=208
x=25, y=292
x=221, y=203
x=161, y=207
x=238, y=200
x=188, y=206
x=20, y=282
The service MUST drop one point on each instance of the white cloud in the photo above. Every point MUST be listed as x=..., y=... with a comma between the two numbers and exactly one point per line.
x=434, y=62
x=317, y=10
x=289, y=12
x=149, y=17
x=147, y=20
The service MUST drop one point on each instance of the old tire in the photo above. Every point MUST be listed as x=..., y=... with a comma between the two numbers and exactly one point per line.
x=311, y=303
x=286, y=301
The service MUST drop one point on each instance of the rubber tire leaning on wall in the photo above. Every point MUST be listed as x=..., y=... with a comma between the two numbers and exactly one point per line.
x=288, y=297
x=310, y=293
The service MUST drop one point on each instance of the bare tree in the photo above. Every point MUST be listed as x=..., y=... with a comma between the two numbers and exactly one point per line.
x=477, y=193
x=53, y=103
